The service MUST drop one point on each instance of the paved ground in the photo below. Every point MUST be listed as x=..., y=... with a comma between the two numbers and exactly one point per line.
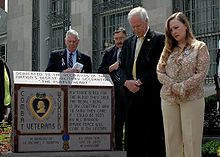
x=209, y=89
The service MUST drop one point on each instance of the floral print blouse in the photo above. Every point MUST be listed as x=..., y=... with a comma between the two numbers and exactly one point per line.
x=185, y=72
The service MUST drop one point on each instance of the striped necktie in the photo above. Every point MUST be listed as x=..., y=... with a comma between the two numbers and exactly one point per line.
x=115, y=74
x=70, y=64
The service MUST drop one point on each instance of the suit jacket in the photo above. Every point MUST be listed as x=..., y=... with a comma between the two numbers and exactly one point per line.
x=146, y=62
x=110, y=57
x=58, y=61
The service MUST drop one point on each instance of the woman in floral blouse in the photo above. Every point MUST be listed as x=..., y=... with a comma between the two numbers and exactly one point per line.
x=182, y=68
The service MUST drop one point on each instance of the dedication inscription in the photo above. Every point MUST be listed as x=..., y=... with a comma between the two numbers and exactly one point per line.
x=55, y=78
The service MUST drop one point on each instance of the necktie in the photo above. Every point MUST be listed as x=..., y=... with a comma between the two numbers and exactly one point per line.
x=136, y=56
x=118, y=54
x=116, y=78
x=70, y=64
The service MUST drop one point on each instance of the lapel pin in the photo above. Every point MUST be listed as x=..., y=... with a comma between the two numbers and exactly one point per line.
x=63, y=63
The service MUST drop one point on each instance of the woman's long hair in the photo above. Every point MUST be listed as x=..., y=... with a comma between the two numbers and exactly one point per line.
x=170, y=42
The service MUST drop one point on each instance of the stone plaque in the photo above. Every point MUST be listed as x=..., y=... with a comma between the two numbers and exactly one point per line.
x=58, y=112
x=55, y=78
x=39, y=143
x=70, y=154
x=89, y=111
x=40, y=110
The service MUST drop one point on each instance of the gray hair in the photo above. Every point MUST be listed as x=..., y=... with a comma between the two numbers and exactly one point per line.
x=140, y=12
x=72, y=32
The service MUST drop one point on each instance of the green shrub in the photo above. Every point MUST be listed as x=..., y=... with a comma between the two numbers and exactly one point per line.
x=5, y=138
x=211, y=147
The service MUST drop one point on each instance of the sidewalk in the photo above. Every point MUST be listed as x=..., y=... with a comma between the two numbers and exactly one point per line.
x=209, y=89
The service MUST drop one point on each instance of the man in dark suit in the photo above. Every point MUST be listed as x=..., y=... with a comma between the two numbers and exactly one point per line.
x=109, y=65
x=139, y=57
x=64, y=60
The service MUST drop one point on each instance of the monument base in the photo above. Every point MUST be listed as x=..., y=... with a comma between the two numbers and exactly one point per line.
x=69, y=154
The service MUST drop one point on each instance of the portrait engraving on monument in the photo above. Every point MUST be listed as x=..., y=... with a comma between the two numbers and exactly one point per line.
x=40, y=110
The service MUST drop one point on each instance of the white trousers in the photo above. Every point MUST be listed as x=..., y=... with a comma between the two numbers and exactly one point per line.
x=183, y=125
